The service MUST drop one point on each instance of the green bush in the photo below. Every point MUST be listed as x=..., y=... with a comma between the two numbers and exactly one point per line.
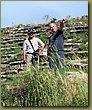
x=44, y=38
x=84, y=47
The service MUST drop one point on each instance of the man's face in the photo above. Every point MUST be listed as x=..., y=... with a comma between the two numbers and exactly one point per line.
x=53, y=27
x=31, y=35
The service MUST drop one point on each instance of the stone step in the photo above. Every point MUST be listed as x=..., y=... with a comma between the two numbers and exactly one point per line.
x=72, y=44
x=19, y=64
x=12, y=40
x=68, y=52
x=76, y=53
x=70, y=49
x=8, y=56
x=16, y=63
x=12, y=55
x=9, y=72
x=76, y=31
x=77, y=65
x=21, y=68
x=77, y=61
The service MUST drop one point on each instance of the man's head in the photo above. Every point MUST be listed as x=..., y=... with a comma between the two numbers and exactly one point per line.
x=53, y=27
x=31, y=32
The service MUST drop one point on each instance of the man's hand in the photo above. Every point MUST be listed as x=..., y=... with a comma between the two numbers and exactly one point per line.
x=40, y=51
x=63, y=21
x=62, y=24
x=24, y=56
x=24, y=61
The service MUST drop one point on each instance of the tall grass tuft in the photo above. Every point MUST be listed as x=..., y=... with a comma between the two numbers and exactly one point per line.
x=45, y=87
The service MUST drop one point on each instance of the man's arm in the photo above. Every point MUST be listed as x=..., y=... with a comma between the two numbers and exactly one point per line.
x=24, y=52
x=24, y=56
x=62, y=25
x=42, y=45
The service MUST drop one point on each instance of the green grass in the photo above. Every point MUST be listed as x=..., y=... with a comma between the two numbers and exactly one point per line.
x=17, y=50
x=45, y=87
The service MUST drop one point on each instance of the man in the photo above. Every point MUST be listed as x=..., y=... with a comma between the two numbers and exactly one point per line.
x=56, y=47
x=30, y=46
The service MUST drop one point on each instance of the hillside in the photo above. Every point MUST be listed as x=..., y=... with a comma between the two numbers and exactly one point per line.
x=42, y=86
x=75, y=43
